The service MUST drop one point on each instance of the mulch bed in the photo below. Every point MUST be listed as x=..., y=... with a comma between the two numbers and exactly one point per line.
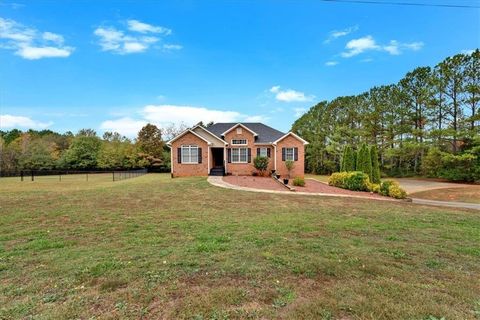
x=311, y=186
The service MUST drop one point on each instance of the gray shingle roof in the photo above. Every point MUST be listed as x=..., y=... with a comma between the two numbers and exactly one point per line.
x=265, y=133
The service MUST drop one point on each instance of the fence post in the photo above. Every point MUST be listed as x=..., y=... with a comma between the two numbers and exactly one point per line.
x=60, y=176
x=21, y=175
x=32, y=175
x=113, y=176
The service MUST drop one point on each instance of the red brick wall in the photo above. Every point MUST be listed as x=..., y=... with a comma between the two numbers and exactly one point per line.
x=185, y=170
x=299, y=167
x=241, y=169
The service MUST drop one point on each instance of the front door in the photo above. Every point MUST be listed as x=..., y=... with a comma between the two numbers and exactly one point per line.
x=217, y=154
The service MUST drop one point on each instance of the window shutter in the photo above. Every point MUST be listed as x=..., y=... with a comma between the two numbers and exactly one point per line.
x=258, y=152
x=295, y=154
x=249, y=155
x=268, y=152
x=283, y=154
x=179, y=155
x=199, y=155
x=229, y=153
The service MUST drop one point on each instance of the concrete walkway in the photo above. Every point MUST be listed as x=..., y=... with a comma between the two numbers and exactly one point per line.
x=218, y=182
x=417, y=185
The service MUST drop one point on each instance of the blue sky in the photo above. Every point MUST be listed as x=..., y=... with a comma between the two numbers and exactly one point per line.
x=116, y=65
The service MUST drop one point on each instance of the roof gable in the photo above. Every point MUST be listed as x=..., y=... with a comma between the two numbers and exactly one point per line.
x=290, y=133
x=184, y=133
x=264, y=133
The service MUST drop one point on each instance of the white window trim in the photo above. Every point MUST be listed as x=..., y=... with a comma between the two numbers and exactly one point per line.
x=189, y=148
x=266, y=152
x=293, y=154
x=239, y=144
x=246, y=155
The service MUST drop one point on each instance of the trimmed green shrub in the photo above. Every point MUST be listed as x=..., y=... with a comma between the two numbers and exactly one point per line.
x=261, y=164
x=392, y=189
x=375, y=178
x=364, y=161
x=396, y=192
x=355, y=180
x=385, y=186
x=299, y=182
x=337, y=179
x=374, y=187
x=348, y=160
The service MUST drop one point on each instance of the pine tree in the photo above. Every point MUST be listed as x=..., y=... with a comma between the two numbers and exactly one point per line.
x=375, y=178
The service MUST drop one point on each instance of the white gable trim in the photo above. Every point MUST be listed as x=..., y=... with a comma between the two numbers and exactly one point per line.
x=239, y=124
x=199, y=126
x=291, y=134
x=187, y=131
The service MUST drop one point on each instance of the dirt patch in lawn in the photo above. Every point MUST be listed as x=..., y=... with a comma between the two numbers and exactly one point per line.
x=311, y=186
x=469, y=194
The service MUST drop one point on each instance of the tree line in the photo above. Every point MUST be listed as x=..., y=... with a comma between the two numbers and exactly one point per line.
x=47, y=150
x=426, y=124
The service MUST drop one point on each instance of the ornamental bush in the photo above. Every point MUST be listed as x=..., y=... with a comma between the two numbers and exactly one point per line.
x=355, y=180
x=385, y=186
x=261, y=164
x=392, y=189
x=299, y=182
x=364, y=161
x=396, y=192
x=375, y=178
x=348, y=160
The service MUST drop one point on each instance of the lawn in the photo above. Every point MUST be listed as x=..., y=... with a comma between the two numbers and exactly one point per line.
x=462, y=194
x=154, y=247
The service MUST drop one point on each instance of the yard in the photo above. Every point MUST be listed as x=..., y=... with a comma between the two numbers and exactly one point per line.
x=181, y=248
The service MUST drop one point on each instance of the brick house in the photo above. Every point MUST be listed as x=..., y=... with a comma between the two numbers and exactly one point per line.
x=229, y=148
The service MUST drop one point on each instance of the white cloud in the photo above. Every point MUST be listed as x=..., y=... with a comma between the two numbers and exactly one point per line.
x=299, y=111
x=8, y=121
x=188, y=114
x=331, y=63
x=289, y=95
x=125, y=126
x=357, y=46
x=142, y=27
x=134, y=40
x=340, y=33
x=166, y=115
x=396, y=48
x=29, y=43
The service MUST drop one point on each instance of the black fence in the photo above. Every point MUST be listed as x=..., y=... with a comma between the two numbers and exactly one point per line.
x=79, y=175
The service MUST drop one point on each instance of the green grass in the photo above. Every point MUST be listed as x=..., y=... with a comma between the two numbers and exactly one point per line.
x=154, y=247
x=321, y=178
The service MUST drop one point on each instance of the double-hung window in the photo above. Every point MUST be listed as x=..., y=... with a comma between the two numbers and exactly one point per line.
x=289, y=154
x=263, y=152
x=239, y=155
x=190, y=154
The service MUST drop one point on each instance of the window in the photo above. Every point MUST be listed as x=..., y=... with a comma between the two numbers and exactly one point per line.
x=263, y=152
x=239, y=155
x=239, y=141
x=289, y=154
x=190, y=154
